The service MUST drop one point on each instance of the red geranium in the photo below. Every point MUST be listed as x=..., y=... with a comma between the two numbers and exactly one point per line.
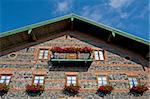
x=4, y=87
x=138, y=90
x=34, y=88
x=104, y=90
x=71, y=49
x=72, y=89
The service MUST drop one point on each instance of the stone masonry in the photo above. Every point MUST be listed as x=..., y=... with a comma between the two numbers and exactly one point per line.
x=25, y=63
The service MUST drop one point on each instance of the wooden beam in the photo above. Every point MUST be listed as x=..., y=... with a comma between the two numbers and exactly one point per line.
x=32, y=35
x=72, y=19
x=112, y=35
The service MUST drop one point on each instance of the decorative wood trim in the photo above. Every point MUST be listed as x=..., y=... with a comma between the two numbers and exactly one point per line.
x=72, y=74
x=101, y=75
x=43, y=53
x=38, y=75
x=6, y=75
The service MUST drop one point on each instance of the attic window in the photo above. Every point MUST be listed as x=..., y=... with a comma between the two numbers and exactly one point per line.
x=43, y=54
x=99, y=55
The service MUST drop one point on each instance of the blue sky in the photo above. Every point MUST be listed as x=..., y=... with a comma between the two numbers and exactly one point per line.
x=127, y=15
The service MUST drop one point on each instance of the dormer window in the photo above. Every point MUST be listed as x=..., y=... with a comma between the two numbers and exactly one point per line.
x=99, y=55
x=43, y=54
x=38, y=80
x=5, y=79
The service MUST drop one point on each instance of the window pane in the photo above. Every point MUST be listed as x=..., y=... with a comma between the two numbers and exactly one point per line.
x=99, y=78
x=104, y=78
x=41, y=51
x=68, y=78
x=73, y=82
x=3, y=77
x=104, y=82
x=8, y=77
x=1, y=81
x=131, y=86
x=68, y=82
x=96, y=55
x=100, y=83
x=7, y=81
x=37, y=77
x=35, y=81
x=130, y=79
x=101, y=55
x=41, y=81
x=46, y=52
x=74, y=78
x=42, y=77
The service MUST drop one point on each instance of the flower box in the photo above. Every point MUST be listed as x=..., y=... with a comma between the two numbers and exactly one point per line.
x=72, y=89
x=104, y=90
x=71, y=50
x=84, y=55
x=34, y=89
x=3, y=89
x=138, y=90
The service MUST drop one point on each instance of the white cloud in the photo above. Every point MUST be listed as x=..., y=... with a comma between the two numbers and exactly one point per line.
x=91, y=12
x=64, y=6
x=119, y=3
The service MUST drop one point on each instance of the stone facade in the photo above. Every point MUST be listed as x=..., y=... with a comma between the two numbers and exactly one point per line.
x=119, y=64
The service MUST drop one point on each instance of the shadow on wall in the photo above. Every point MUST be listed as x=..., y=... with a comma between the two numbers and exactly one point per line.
x=71, y=67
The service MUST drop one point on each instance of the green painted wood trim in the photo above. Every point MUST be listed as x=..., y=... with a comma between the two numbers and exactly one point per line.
x=29, y=27
x=119, y=32
x=74, y=16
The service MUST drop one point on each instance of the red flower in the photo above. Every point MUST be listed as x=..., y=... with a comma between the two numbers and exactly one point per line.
x=139, y=89
x=4, y=87
x=71, y=49
x=34, y=88
x=72, y=88
x=106, y=88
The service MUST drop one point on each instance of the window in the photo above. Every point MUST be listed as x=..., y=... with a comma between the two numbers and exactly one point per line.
x=71, y=80
x=5, y=79
x=43, y=54
x=98, y=55
x=39, y=80
x=132, y=81
x=102, y=80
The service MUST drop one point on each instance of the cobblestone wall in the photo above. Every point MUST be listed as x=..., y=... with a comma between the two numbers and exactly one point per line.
x=116, y=66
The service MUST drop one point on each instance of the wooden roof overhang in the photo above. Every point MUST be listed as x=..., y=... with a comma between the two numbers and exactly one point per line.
x=35, y=32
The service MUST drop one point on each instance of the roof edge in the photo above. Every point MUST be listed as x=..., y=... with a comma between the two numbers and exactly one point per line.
x=72, y=15
x=117, y=31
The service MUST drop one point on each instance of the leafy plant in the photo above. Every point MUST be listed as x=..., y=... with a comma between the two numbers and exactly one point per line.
x=72, y=49
x=72, y=89
x=104, y=90
x=3, y=89
x=34, y=89
x=138, y=90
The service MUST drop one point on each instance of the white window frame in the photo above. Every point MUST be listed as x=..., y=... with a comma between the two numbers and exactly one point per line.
x=38, y=80
x=132, y=81
x=43, y=54
x=71, y=79
x=5, y=79
x=102, y=80
x=99, y=55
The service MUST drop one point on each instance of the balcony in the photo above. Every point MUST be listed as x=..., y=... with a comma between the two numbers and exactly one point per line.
x=72, y=59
